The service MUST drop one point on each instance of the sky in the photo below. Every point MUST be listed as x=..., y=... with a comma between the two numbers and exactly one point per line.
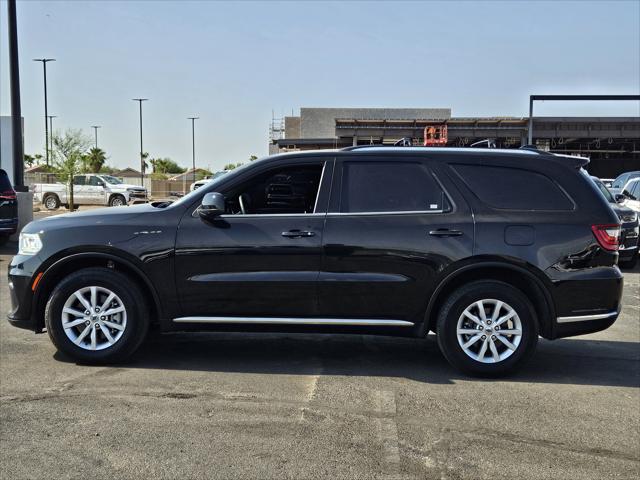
x=233, y=63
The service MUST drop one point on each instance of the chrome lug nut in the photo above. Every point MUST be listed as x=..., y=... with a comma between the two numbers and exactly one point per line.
x=488, y=322
x=102, y=317
x=480, y=327
x=493, y=337
x=483, y=337
x=87, y=312
x=87, y=322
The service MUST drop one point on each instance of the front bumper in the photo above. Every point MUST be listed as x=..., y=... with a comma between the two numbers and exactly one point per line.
x=21, y=295
x=138, y=197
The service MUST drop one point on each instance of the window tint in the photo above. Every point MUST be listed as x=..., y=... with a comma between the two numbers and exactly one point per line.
x=79, y=180
x=278, y=191
x=5, y=184
x=513, y=188
x=95, y=181
x=389, y=187
x=620, y=181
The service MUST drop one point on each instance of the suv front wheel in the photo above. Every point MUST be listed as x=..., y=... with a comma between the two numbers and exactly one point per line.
x=487, y=328
x=95, y=316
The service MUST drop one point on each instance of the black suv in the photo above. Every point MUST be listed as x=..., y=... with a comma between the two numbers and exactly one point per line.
x=8, y=208
x=487, y=248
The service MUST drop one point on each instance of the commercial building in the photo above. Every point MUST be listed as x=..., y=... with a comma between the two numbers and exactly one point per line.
x=612, y=143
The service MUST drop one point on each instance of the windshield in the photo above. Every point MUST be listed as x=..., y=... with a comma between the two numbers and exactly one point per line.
x=112, y=180
x=605, y=191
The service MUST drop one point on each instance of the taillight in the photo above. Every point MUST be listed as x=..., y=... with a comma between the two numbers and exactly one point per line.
x=8, y=195
x=608, y=236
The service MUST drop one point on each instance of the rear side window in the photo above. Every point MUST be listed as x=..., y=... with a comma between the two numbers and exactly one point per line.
x=390, y=187
x=513, y=188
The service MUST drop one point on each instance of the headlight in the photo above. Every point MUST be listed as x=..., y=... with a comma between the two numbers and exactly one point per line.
x=29, y=244
x=629, y=217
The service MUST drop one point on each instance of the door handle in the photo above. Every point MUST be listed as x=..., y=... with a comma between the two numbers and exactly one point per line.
x=445, y=232
x=298, y=234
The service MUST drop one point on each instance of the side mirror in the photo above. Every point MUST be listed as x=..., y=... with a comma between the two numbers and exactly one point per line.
x=627, y=194
x=620, y=197
x=101, y=184
x=212, y=205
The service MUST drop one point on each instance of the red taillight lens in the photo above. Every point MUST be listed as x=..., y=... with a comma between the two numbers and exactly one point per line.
x=8, y=195
x=608, y=236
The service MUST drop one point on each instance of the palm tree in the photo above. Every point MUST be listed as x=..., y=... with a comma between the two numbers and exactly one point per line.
x=96, y=159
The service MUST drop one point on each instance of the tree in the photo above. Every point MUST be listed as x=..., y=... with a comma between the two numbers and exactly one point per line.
x=166, y=165
x=68, y=152
x=231, y=166
x=94, y=160
x=29, y=160
x=252, y=158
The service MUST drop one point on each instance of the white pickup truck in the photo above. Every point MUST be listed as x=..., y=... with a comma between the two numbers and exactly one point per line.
x=90, y=189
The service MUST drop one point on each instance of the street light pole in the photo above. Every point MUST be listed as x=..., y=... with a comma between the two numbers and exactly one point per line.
x=51, y=117
x=46, y=113
x=193, y=144
x=95, y=128
x=140, y=100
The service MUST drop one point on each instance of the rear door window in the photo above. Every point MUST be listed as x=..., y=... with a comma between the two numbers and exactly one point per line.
x=508, y=188
x=79, y=180
x=380, y=187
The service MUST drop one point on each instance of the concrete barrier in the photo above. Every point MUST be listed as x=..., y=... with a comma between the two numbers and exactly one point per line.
x=25, y=211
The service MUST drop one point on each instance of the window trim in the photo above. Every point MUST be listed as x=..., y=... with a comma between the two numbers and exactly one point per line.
x=386, y=161
x=326, y=162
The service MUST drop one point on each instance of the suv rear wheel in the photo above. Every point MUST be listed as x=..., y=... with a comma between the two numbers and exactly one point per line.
x=487, y=328
x=94, y=316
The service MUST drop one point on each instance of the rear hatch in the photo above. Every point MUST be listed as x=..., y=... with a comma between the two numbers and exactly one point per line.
x=8, y=204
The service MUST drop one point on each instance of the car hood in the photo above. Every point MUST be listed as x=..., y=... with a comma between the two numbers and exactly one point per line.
x=90, y=217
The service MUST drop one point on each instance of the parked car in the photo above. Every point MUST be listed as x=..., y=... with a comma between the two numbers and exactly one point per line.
x=607, y=182
x=621, y=180
x=628, y=249
x=206, y=180
x=8, y=208
x=631, y=195
x=90, y=189
x=388, y=240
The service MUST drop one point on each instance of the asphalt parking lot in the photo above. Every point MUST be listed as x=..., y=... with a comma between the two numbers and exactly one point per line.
x=302, y=406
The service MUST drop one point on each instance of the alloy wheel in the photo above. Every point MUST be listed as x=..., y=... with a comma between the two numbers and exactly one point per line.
x=94, y=318
x=489, y=331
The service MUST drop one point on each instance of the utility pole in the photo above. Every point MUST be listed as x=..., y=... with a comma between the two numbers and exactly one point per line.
x=95, y=128
x=46, y=113
x=193, y=144
x=51, y=117
x=16, y=113
x=140, y=100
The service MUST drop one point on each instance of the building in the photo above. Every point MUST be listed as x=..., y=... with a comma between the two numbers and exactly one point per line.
x=612, y=143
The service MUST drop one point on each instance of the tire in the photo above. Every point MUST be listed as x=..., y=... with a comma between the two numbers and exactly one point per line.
x=117, y=201
x=631, y=263
x=520, y=317
x=127, y=328
x=51, y=202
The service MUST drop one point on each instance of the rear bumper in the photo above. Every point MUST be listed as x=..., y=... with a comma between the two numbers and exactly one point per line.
x=8, y=226
x=587, y=300
x=583, y=324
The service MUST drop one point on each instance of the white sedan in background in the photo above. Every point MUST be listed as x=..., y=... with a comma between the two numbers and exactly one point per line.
x=205, y=180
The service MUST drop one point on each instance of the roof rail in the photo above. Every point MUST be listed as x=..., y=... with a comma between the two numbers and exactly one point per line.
x=533, y=148
x=486, y=143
